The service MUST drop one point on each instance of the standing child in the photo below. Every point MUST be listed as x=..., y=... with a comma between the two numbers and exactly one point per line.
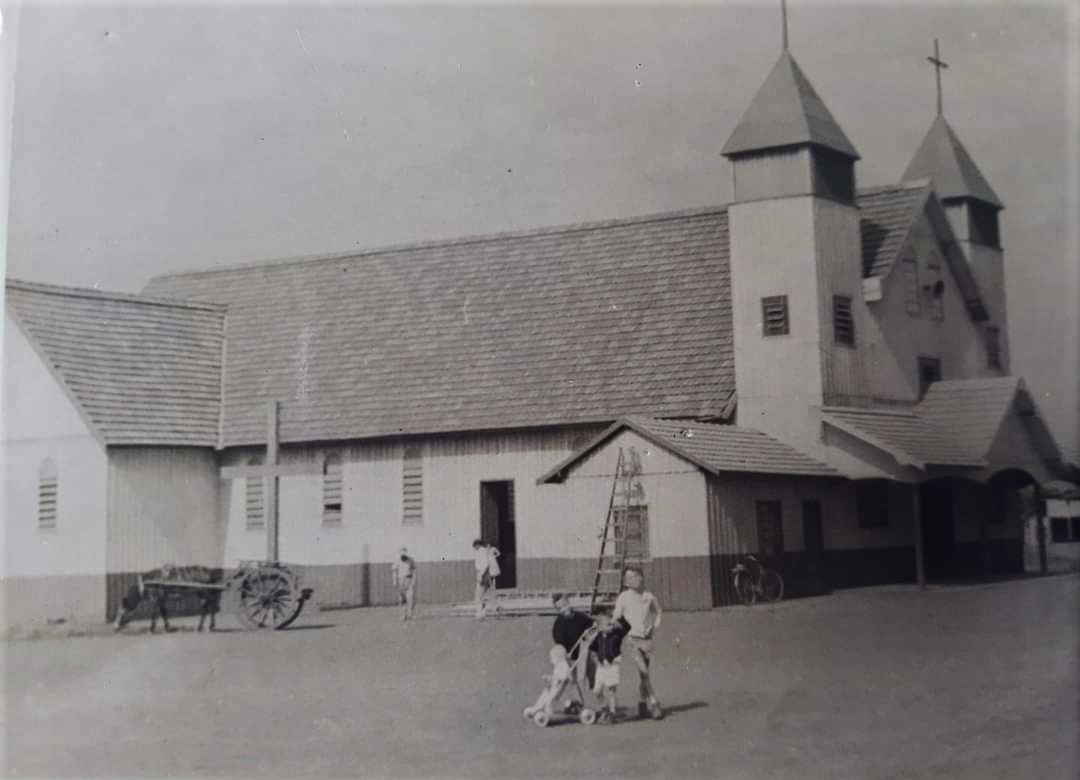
x=487, y=569
x=608, y=649
x=404, y=569
x=641, y=610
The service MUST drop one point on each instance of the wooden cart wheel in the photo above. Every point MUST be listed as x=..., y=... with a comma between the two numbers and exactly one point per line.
x=268, y=597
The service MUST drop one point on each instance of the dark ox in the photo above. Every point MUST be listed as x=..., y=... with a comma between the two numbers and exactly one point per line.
x=187, y=579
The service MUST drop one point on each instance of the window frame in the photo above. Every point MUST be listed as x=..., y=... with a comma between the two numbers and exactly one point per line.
x=909, y=274
x=619, y=515
x=771, y=305
x=759, y=516
x=412, y=485
x=48, y=496
x=1070, y=529
x=843, y=308
x=333, y=487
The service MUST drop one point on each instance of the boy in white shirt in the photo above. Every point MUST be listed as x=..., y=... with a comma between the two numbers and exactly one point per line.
x=487, y=569
x=404, y=569
x=641, y=610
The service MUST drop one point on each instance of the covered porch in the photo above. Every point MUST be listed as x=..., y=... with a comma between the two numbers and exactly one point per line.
x=973, y=456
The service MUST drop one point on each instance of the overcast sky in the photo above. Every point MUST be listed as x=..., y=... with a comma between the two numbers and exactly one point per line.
x=149, y=139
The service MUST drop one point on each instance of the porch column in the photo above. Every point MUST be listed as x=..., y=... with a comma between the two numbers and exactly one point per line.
x=1040, y=528
x=984, y=547
x=920, y=566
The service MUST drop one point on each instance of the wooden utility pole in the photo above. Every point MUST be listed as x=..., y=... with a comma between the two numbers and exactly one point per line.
x=271, y=481
x=270, y=472
x=920, y=564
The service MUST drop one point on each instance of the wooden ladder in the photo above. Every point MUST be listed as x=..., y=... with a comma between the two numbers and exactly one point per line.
x=626, y=490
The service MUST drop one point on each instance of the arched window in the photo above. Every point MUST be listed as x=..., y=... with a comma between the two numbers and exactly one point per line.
x=909, y=273
x=255, y=508
x=331, y=494
x=48, y=484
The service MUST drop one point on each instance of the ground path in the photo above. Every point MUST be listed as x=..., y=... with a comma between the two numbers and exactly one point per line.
x=960, y=682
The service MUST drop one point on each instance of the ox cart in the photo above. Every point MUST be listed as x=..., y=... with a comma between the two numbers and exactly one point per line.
x=262, y=594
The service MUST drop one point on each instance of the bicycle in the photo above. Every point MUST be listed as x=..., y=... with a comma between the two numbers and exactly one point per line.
x=754, y=581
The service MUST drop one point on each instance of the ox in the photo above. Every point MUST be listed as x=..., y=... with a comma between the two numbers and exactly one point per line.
x=146, y=587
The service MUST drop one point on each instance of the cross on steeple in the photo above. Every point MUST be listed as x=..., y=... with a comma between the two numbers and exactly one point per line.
x=783, y=22
x=939, y=65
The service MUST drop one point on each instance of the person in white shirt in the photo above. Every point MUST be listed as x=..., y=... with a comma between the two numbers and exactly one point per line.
x=487, y=569
x=641, y=610
x=404, y=569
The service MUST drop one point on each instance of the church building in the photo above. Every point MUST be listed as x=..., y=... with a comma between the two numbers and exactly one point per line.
x=813, y=372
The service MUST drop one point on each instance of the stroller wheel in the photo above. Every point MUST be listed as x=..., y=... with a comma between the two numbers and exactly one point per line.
x=541, y=718
x=587, y=716
x=527, y=713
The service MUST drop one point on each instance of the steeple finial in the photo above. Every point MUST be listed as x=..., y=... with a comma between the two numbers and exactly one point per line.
x=939, y=65
x=783, y=22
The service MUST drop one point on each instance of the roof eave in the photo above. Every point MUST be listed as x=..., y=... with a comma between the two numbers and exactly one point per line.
x=902, y=457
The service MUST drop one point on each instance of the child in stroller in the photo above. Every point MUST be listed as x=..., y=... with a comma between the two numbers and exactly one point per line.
x=563, y=680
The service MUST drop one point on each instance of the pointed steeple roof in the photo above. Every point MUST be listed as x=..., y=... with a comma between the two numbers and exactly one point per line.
x=944, y=159
x=785, y=112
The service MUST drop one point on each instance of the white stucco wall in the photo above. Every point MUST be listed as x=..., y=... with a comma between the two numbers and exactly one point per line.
x=58, y=572
x=372, y=527
x=896, y=339
x=40, y=422
x=675, y=493
x=552, y=521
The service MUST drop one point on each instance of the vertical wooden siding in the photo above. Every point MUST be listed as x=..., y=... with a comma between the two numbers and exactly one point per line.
x=733, y=525
x=163, y=505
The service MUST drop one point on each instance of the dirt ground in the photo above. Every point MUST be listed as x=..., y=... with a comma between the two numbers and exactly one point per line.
x=961, y=682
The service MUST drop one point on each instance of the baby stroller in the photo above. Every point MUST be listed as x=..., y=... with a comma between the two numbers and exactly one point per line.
x=564, y=680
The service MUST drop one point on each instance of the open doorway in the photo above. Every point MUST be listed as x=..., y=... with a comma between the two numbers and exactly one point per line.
x=938, y=528
x=497, y=527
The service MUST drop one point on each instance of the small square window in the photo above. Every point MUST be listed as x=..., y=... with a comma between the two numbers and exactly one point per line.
x=1059, y=529
x=843, y=321
x=774, y=315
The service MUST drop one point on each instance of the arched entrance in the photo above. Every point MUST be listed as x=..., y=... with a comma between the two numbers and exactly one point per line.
x=971, y=529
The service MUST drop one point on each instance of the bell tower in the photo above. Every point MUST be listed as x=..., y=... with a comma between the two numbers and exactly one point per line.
x=796, y=259
x=973, y=208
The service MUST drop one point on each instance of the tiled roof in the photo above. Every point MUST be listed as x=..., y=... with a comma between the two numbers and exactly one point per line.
x=944, y=159
x=142, y=371
x=886, y=215
x=907, y=437
x=970, y=411
x=715, y=448
x=578, y=324
x=787, y=111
